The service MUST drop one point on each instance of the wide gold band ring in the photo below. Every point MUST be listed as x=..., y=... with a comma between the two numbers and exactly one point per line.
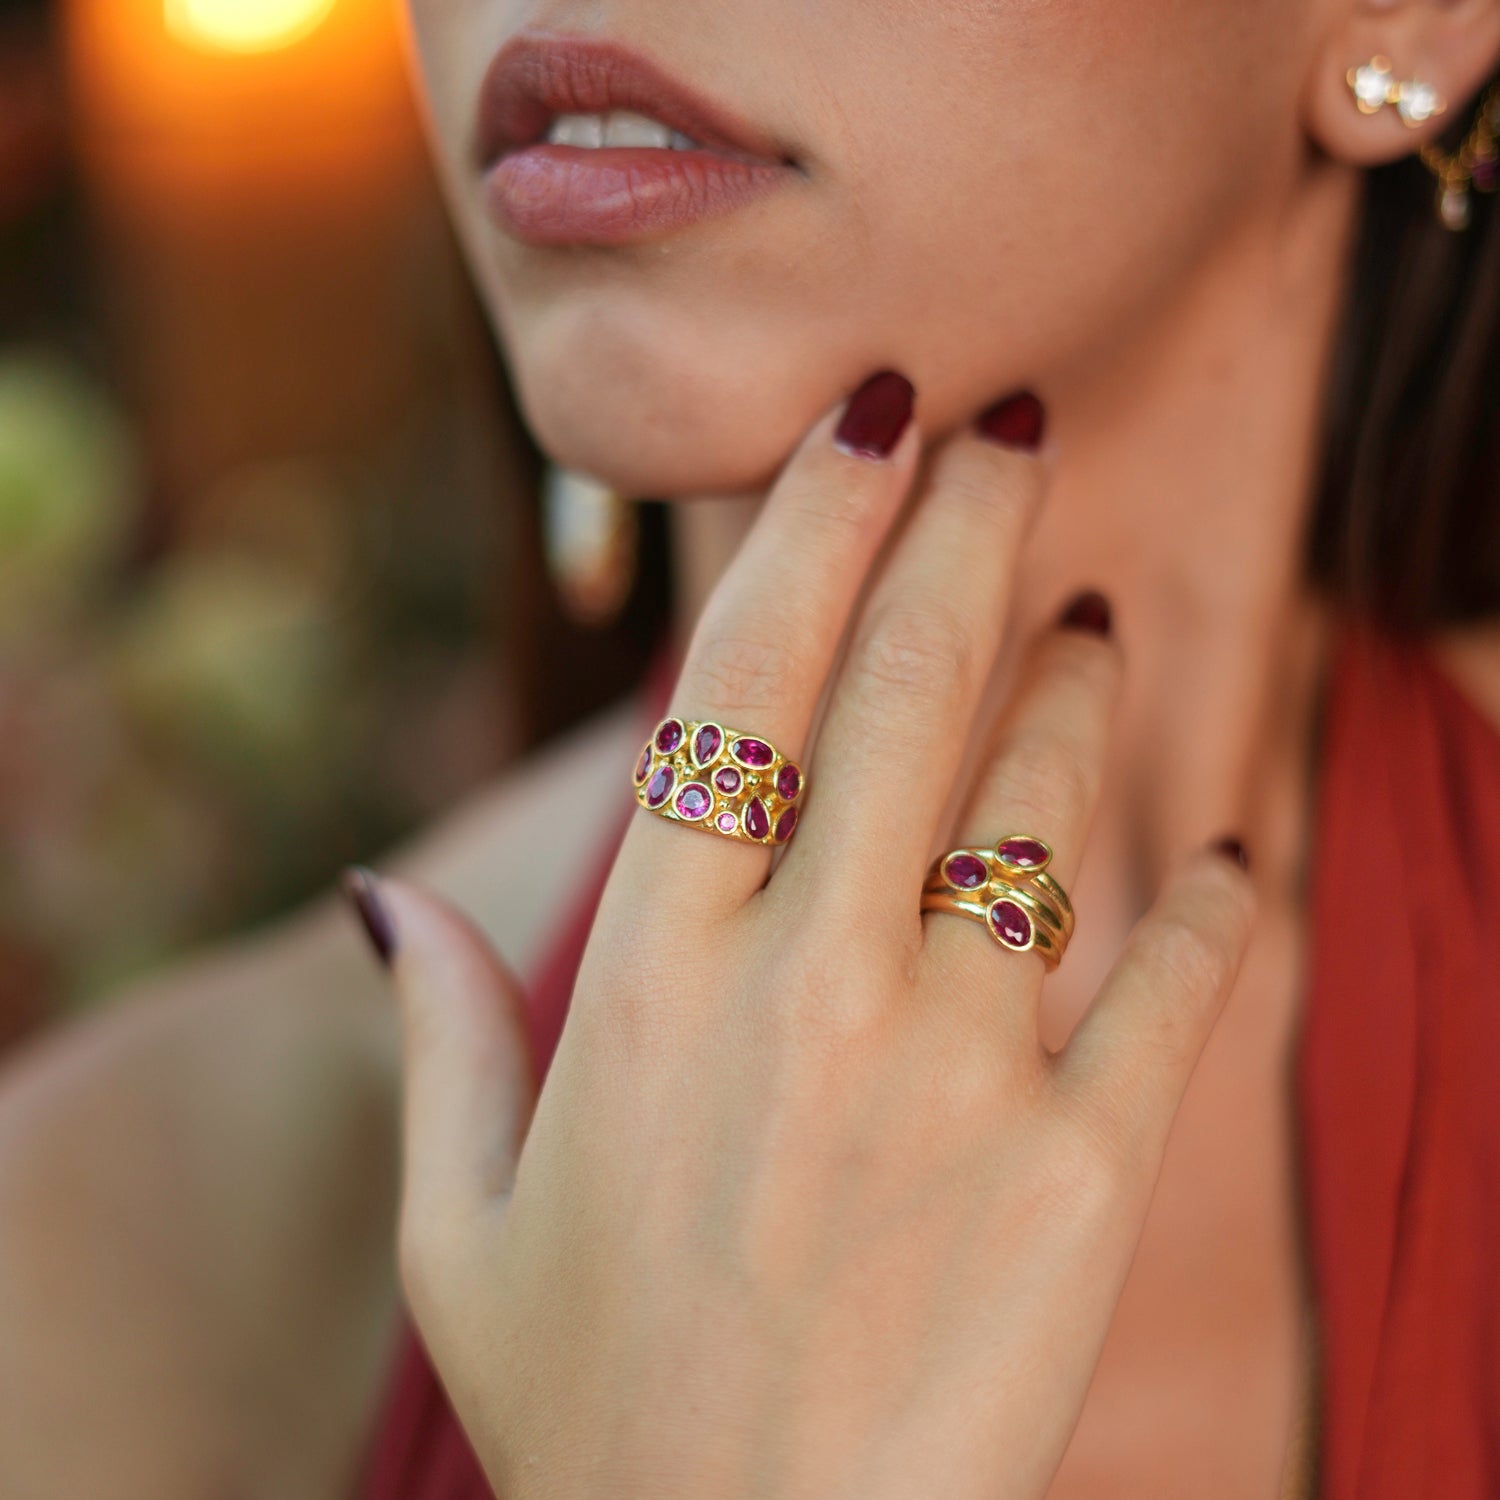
x=1009, y=889
x=721, y=780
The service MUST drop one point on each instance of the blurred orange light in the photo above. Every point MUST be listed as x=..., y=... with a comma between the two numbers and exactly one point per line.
x=245, y=25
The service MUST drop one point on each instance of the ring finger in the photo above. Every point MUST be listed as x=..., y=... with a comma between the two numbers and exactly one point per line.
x=1041, y=779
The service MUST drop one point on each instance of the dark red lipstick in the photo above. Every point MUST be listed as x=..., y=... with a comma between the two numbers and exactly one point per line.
x=546, y=194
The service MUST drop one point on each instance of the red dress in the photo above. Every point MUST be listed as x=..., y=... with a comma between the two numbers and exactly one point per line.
x=1397, y=1095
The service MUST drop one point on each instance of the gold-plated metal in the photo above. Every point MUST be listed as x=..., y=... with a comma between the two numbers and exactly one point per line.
x=1019, y=902
x=725, y=781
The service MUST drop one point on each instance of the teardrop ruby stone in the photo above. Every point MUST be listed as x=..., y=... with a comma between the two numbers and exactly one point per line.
x=786, y=825
x=757, y=819
x=707, y=744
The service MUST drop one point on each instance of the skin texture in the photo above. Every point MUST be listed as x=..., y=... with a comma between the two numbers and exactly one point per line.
x=1143, y=218
x=1160, y=253
x=832, y=1216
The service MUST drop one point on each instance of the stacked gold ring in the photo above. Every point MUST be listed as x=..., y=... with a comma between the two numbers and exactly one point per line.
x=734, y=784
x=1009, y=889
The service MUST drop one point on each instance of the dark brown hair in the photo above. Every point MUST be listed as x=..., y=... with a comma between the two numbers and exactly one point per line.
x=1405, y=526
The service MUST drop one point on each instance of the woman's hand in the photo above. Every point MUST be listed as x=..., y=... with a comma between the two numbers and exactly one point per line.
x=806, y=1209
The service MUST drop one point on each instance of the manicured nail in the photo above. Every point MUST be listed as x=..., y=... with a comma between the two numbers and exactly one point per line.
x=1017, y=421
x=362, y=890
x=1089, y=611
x=876, y=416
x=1232, y=848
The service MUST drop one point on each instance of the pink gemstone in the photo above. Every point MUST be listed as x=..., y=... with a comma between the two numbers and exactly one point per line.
x=966, y=872
x=727, y=822
x=661, y=786
x=1486, y=173
x=1023, y=854
x=788, y=782
x=786, y=825
x=707, y=744
x=728, y=780
x=669, y=736
x=753, y=753
x=757, y=819
x=1012, y=925
x=694, y=802
x=643, y=766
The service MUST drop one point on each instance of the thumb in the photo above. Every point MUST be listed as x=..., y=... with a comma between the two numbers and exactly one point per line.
x=469, y=1076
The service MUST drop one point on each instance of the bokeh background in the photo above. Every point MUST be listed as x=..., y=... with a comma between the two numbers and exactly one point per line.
x=271, y=581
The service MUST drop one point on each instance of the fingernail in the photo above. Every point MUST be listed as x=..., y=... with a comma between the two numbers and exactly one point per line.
x=1017, y=421
x=1089, y=611
x=1232, y=848
x=362, y=890
x=876, y=416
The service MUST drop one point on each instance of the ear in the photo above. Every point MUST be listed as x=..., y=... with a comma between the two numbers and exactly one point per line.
x=1453, y=45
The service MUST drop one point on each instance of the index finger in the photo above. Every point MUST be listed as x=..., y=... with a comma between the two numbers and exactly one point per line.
x=763, y=648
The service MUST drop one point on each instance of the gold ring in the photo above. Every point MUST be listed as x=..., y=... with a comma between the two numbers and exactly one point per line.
x=722, y=780
x=1009, y=889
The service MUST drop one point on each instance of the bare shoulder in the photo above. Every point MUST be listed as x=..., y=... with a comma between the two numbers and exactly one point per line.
x=198, y=1183
x=509, y=856
x=1470, y=654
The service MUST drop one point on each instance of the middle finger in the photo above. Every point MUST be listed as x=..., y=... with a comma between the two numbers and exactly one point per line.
x=901, y=709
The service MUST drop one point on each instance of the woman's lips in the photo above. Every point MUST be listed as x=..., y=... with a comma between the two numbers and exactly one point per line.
x=548, y=193
x=570, y=195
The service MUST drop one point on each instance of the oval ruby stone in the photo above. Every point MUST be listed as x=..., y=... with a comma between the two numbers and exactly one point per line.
x=727, y=822
x=756, y=754
x=669, y=736
x=643, y=766
x=707, y=743
x=786, y=825
x=728, y=780
x=966, y=872
x=757, y=819
x=694, y=802
x=1012, y=925
x=788, y=783
x=660, y=787
x=1024, y=854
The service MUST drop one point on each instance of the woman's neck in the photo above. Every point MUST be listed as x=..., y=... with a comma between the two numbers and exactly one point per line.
x=1185, y=469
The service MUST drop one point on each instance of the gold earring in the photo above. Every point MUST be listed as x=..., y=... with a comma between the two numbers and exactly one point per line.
x=591, y=538
x=1474, y=166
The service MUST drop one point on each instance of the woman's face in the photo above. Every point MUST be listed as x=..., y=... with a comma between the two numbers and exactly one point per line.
x=986, y=194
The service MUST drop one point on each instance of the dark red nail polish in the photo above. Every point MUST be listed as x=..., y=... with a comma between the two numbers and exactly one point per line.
x=1089, y=611
x=1018, y=421
x=1232, y=848
x=362, y=890
x=876, y=416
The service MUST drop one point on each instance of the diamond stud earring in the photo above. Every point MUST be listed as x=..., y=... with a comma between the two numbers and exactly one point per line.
x=1374, y=86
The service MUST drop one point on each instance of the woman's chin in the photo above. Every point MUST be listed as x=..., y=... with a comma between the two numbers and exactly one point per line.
x=659, y=444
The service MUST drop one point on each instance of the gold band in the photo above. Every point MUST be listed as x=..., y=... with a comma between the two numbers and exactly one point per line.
x=1008, y=889
x=722, y=780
